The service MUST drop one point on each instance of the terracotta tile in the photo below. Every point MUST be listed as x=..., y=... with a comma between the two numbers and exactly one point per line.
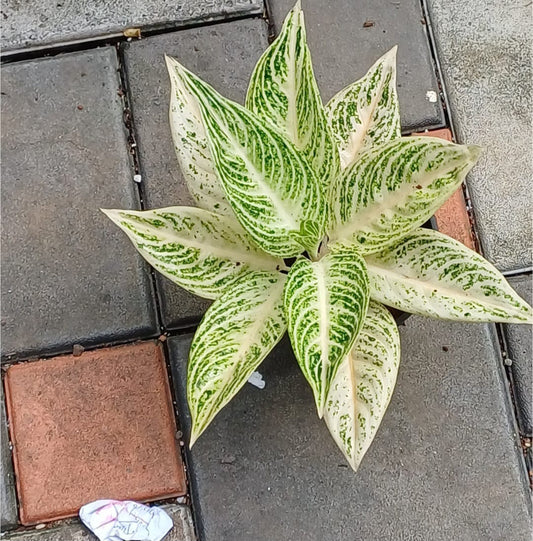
x=452, y=218
x=100, y=425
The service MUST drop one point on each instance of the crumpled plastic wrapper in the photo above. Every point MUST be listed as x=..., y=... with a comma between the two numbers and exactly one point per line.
x=113, y=520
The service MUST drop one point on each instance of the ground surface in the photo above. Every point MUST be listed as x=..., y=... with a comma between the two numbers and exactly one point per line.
x=83, y=111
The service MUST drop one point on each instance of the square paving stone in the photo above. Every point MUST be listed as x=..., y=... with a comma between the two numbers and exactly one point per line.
x=180, y=515
x=520, y=350
x=92, y=427
x=485, y=55
x=343, y=50
x=68, y=274
x=444, y=465
x=43, y=22
x=8, y=500
x=224, y=55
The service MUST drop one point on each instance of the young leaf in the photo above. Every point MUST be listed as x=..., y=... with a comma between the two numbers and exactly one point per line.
x=190, y=143
x=283, y=91
x=235, y=335
x=394, y=188
x=325, y=304
x=366, y=113
x=198, y=250
x=270, y=187
x=362, y=388
x=433, y=275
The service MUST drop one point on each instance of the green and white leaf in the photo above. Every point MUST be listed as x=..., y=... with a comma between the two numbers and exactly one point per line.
x=190, y=143
x=235, y=335
x=283, y=91
x=433, y=275
x=363, y=385
x=396, y=187
x=270, y=186
x=366, y=113
x=325, y=304
x=200, y=251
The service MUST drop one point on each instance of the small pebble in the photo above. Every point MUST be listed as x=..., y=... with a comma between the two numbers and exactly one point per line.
x=163, y=338
x=444, y=348
x=508, y=362
x=77, y=350
x=137, y=178
x=368, y=24
x=80, y=107
x=39, y=526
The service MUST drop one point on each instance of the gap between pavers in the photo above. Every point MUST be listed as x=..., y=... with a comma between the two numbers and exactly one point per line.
x=96, y=426
x=182, y=531
x=32, y=23
x=445, y=463
x=68, y=274
x=519, y=340
x=8, y=498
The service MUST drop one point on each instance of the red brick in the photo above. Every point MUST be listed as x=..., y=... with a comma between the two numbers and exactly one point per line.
x=99, y=425
x=452, y=218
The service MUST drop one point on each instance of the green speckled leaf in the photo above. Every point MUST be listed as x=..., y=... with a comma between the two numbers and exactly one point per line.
x=431, y=274
x=366, y=113
x=325, y=304
x=362, y=388
x=395, y=188
x=269, y=185
x=283, y=91
x=190, y=143
x=235, y=335
x=200, y=251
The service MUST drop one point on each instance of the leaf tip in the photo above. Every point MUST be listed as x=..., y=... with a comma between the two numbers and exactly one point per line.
x=475, y=152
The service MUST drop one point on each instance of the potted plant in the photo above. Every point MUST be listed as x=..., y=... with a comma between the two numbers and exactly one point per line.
x=309, y=220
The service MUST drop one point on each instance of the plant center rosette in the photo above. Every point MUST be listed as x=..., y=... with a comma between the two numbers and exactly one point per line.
x=339, y=192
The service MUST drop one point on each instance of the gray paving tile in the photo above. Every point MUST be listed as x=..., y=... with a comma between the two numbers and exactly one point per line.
x=8, y=499
x=75, y=531
x=485, y=55
x=43, y=22
x=343, y=50
x=224, y=55
x=444, y=465
x=520, y=349
x=68, y=275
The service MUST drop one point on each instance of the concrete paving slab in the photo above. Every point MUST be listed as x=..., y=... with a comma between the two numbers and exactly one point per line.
x=520, y=349
x=75, y=531
x=68, y=274
x=444, y=465
x=33, y=23
x=485, y=55
x=224, y=55
x=8, y=499
x=343, y=50
x=111, y=434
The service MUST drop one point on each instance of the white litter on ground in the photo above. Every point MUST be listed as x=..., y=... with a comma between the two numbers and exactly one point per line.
x=137, y=178
x=256, y=379
x=113, y=520
x=431, y=96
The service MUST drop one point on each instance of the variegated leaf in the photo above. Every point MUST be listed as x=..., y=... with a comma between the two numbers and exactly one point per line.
x=190, y=143
x=325, y=304
x=271, y=188
x=200, y=251
x=433, y=275
x=395, y=188
x=235, y=335
x=366, y=113
x=362, y=388
x=283, y=91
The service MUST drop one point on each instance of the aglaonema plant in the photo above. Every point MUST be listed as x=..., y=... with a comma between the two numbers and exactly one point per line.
x=341, y=191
